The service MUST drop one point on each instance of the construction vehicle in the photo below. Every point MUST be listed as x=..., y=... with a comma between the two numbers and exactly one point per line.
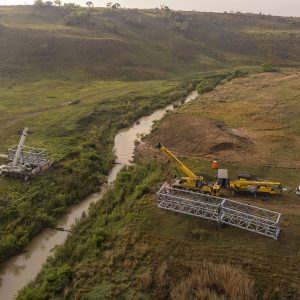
x=246, y=184
x=192, y=182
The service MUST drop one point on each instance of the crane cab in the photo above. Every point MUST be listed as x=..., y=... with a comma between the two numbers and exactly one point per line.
x=199, y=186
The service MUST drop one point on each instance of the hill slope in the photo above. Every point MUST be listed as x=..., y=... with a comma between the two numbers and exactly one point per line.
x=130, y=44
x=127, y=248
x=251, y=120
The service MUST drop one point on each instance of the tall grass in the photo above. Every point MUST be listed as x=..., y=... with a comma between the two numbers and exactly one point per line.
x=101, y=240
x=214, y=282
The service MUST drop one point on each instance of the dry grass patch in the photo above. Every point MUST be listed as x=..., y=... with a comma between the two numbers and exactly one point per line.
x=145, y=281
x=246, y=120
x=214, y=282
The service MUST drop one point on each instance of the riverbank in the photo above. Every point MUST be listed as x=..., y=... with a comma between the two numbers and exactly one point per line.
x=82, y=151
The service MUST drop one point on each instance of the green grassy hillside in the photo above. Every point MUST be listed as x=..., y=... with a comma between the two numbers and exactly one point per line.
x=134, y=44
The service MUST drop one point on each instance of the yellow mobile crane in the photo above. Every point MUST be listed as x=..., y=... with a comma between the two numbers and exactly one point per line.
x=192, y=182
x=245, y=185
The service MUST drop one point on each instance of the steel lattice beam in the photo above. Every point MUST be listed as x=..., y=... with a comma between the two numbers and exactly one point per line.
x=221, y=210
x=33, y=156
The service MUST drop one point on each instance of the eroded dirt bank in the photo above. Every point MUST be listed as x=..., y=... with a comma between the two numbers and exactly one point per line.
x=252, y=120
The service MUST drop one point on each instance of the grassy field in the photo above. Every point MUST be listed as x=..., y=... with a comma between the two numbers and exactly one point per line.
x=76, y=123
x=129, y=249
x=133, y=250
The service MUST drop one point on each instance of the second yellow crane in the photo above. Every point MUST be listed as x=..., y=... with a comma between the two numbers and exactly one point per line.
x=246, y=185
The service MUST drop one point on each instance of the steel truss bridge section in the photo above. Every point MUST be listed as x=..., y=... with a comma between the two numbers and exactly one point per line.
x=220, y=210
x=33, y=156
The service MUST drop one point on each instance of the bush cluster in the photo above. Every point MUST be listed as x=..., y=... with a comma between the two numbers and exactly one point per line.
x=209, y=83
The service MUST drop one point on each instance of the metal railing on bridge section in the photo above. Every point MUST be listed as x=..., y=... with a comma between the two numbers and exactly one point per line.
x=220, y=210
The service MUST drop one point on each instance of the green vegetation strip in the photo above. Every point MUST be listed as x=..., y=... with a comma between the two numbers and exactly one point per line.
x=99, y=233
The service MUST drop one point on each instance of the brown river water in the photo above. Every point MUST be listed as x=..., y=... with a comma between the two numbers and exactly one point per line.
x=21, y=269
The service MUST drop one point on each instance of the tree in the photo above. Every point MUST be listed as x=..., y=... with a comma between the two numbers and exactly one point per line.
x=48, y=3
x=89, y=3
x=108, y=5
x=166, y=10
x=165, y=7
x=116, y=5
x=38, y=3
x=71, y=5
x=57, y=2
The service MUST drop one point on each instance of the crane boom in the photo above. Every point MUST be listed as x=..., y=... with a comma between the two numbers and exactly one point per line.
x=173, y=158
x=192, y=182
x=261, y=183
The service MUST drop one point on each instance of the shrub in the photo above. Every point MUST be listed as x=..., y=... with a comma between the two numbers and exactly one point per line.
x=206, y=86
x=31, y=294
x=99, y=237
x=237, y=74
x=8, y=245
x=199, y=234
x=141, y=190
x=268, y=68
x=56, y=279
x=209, y=83
x=78, y=16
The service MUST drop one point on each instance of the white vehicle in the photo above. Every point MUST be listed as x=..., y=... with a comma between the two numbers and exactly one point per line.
x=298, y=190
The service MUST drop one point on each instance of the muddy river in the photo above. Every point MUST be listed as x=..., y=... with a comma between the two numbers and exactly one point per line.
x=20, y=269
